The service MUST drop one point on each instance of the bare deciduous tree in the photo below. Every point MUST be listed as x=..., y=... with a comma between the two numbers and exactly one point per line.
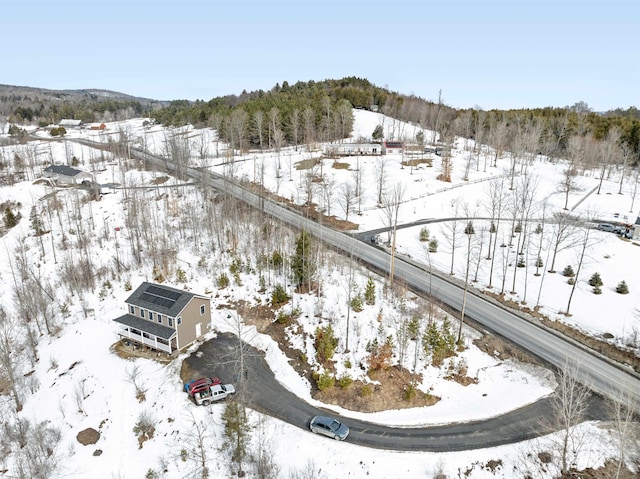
x=569, y=406
x=258, y=122
x=347, y=198
x=9, y=359
x=381, y=177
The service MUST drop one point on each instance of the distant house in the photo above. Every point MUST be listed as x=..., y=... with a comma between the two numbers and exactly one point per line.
x=164, y=318
x=355, y=149
x=68, y=123
x=391, y=147
x=66, y=175
x=99, y=127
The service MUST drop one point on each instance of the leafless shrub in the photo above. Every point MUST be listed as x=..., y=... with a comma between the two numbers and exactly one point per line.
x=133, y=376
x=310, y=471
x=145, y=427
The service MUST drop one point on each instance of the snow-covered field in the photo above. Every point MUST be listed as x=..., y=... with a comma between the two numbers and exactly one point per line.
x=78, y=383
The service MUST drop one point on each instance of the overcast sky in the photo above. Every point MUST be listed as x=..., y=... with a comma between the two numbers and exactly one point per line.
x=486, y=53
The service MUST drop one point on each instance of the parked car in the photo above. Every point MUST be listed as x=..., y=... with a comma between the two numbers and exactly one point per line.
x=329, y=427
x=215, y=392
x=198, y=385
x=606, y=227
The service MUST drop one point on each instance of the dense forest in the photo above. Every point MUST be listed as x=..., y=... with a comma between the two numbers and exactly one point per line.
x=306, y=112
x=42, y=107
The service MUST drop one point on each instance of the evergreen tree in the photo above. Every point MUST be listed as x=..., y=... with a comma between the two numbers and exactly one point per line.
x=36, y=222
x=377, y=133
x=236, y=431
x=370, y=292
x=622, y=287
x=413, y=328
x=424, y=234
x=10, y=219
x=595, y=280
x=302, y=263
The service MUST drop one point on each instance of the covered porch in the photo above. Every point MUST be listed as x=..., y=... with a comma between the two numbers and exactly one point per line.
x=156, y=336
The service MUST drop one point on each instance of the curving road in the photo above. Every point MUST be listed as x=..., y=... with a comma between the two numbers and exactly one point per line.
x=599, y=373
x=221, y=357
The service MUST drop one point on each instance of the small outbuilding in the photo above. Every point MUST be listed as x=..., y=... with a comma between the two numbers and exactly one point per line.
x=69, y=123
x=391, y=147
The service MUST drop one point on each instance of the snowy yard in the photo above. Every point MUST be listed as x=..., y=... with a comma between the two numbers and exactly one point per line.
x=69, y=379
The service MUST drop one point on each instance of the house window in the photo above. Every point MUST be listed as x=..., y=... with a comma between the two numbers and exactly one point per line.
x=150, y=315
x=202, y=309
x=142, y=313
x=160, y=318
x=179, y=321
x=170, y=320
x=132, y=309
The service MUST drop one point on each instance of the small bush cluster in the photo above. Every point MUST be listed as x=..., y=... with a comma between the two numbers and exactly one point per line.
x=410, y=392
x=366, y=390
x=282, y=317
x=222, y=281
x=380, y=355
x=356, y=303
x=59, y=131
x=181, y=276
x=279, y=295
x=326, y=380
x=344, y=381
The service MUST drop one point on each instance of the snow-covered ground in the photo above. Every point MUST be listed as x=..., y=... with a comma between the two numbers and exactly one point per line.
x=79, y=383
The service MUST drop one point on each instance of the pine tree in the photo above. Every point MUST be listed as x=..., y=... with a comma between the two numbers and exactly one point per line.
x=302, y=264
x=36, y=222
x=622, y=287
x=10, y=219
x=377, y=133
x=568, y=271
x=370, y=292
x=413, y=328
x=236, y=431
x=424, y=234
x=595, y=280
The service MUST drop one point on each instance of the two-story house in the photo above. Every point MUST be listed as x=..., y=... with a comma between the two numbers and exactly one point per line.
x=164, y=318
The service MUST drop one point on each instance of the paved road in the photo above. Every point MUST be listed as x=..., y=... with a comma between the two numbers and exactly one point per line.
x=600, y=374
x=221, y=357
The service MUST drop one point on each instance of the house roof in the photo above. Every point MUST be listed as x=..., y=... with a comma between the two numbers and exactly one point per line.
x=63, y=170
x=147, y=326
x=393, y=144
x=69, y=122
x=160, y=298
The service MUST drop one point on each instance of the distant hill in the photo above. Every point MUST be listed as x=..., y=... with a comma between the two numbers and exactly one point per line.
x=24, y=104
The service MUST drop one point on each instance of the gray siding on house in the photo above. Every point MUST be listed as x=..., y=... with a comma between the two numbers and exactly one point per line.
x=150, y=301
x=190, y=318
